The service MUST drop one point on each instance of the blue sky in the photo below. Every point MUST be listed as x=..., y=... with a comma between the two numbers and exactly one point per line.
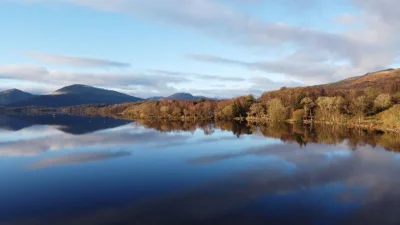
x=218, y=48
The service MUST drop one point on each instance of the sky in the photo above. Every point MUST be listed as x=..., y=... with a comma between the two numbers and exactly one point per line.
x=215, y=48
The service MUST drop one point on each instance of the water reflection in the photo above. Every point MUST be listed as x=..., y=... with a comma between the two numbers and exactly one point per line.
x=148, y=172
x=76, y=158
x=66, y=123
x=289, y=133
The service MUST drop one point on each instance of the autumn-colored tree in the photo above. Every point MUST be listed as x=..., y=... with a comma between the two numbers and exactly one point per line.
x=257, y=110
x=329, y=108
x=177, y=112
x=236, y=109
x=308, y=106
x=276, y=110
x=227, y=112
x=164, y=110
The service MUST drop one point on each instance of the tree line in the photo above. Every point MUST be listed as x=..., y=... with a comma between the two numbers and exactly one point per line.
x=307, y=105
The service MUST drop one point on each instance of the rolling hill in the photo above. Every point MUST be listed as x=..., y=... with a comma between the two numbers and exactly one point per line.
x=377, y=79
x=387, y=81
x=181, y=96
x=13, y=95
x=76, y=94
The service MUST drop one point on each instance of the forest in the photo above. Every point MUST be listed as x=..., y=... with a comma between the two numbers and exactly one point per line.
x=367, y=107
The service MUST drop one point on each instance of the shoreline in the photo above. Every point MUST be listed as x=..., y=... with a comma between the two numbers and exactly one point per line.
x=370, y=126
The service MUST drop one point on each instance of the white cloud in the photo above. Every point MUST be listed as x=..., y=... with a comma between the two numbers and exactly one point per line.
x=76, y=61
x=256, y=85
x=198, y=76
x=294, y=67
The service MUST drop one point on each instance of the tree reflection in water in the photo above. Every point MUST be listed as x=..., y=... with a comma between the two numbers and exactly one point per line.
x=289, y=133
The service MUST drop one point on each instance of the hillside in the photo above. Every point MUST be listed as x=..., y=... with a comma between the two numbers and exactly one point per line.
x=378, y=79
x=77, y=95
x=13, y=95
x=384, y=81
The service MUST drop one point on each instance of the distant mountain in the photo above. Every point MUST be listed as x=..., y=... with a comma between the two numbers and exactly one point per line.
x=77, y=94
x=180, y=96
x=13, y=95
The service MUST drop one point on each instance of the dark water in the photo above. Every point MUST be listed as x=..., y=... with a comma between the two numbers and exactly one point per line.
x=77, y=170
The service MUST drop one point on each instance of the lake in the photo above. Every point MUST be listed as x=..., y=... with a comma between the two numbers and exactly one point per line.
x=91, y=170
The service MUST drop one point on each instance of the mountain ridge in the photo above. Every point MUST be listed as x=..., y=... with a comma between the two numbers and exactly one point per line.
x=76, y=94
x=180, y=96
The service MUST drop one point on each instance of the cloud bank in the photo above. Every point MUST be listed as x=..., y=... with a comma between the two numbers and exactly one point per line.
x=373, y=46
x=76, y=61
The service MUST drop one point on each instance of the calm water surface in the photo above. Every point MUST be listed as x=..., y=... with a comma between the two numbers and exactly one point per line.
x=87, y=170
